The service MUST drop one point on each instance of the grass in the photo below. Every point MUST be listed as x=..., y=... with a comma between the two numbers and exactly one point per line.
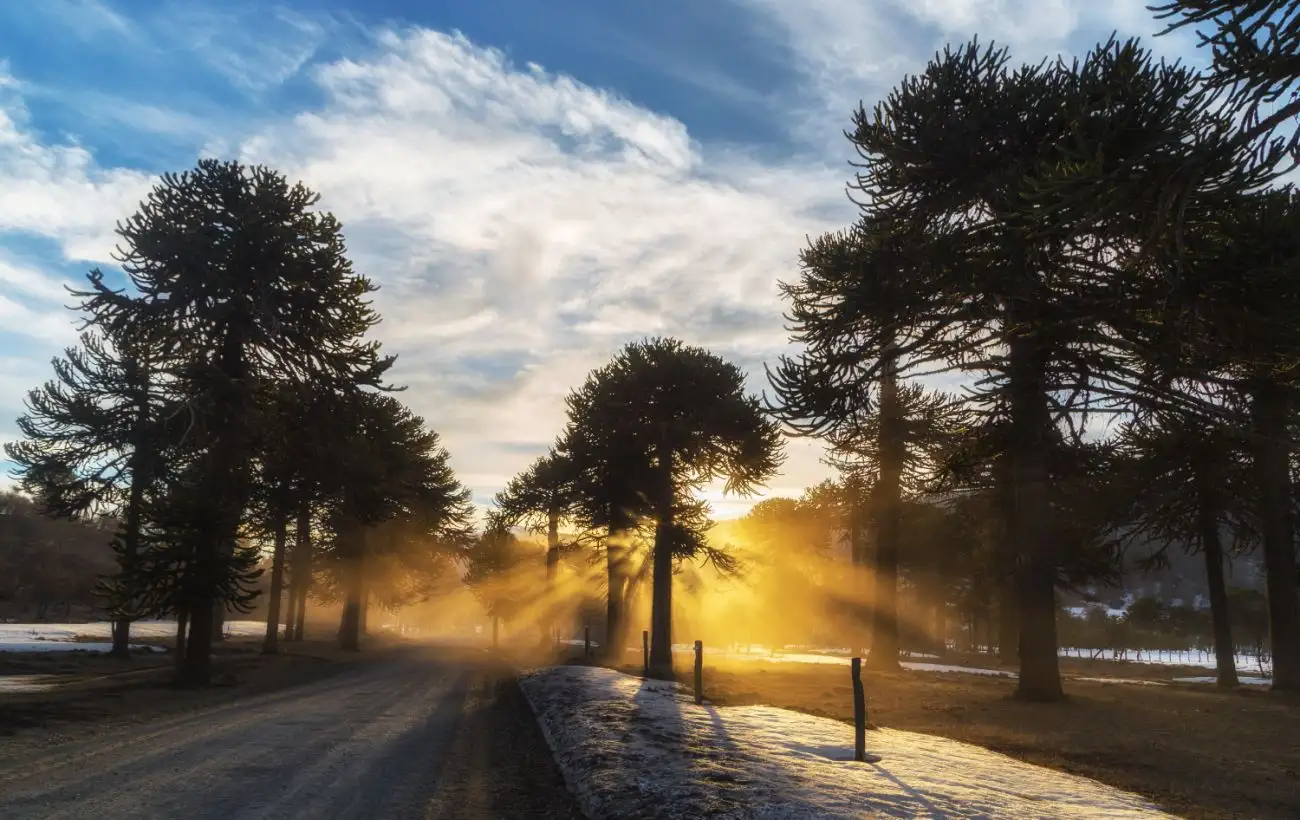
x=1193, y=750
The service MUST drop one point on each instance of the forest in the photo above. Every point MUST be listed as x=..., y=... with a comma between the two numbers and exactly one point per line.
x=1102, y=253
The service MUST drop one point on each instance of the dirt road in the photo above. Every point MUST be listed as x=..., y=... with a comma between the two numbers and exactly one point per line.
x=390, y=739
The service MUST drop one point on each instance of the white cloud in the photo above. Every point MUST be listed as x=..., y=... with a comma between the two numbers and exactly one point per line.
x=524, y=225
x=57, y=190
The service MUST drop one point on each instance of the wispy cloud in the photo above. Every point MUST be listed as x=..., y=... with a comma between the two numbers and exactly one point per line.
x=523, y=224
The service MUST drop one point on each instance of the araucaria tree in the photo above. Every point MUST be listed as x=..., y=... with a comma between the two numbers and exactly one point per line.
x=542, y=497
x=93, y=444
x=681, y=417
x=397, y=500
x=949, y=268
x=238, y=282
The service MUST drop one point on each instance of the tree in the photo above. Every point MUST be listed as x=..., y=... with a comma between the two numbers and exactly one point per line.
x=682, y=414
x=502, y=573
x=1026, y=298
x=541, y=497
x=240, y=282
x=1188, y=479
x=398, y=495
x=92, y=444
x=1255, y=50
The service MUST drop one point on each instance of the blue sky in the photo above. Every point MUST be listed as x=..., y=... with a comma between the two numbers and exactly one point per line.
x=531, y=182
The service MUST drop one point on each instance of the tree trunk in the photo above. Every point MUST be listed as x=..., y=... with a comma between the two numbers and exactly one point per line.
x=892, y=447
x=182, y=626
x=364, y=617
x=350, y=626
x=134, y=508
x=1040, y=671
x=1008, y=620
x=496, y=631
x=270, y=645
x=302, y=569
x=858, y=555
x=615, y=546
x=552, y=568
x=941, y=628
x=196, y=668
x=1270, y=407
x=290, y=607
x=1224, y=652
x=661, y=589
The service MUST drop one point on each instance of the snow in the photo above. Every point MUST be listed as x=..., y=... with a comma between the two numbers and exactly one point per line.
x=25, y=683
x=1244, y=680
x=73, y=637
x=633, y=748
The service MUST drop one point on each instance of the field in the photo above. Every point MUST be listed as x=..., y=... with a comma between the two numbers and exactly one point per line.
x=1195, y=751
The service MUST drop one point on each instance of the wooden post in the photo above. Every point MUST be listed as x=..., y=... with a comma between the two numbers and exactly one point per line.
x=859, y=714
x=699, y=671
x=645, y=651
x=586, y=642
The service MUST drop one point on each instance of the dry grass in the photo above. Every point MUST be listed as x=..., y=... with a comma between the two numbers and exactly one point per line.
x=1195, y=751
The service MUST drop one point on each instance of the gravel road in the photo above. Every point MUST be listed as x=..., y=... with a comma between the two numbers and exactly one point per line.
x=383, y=740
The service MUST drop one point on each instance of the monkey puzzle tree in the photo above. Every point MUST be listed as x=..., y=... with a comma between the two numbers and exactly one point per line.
x=1255, y=51
x=397, y=493
x=541, y=497
x=682, y=413
x=609, y=475
x=1187, y=478
x=92, y=442
x=1024, y=299
x=239, y=282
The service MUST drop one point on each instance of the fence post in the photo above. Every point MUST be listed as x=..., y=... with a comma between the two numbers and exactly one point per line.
x=699, y=671
x=586, y=642
x=859, y=713
x=645, y=651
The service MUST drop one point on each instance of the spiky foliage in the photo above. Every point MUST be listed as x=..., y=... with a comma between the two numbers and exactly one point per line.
x=680, y=418
x=237, y=281
x=397, y=498
x=1255, y=46
x=1187, y=480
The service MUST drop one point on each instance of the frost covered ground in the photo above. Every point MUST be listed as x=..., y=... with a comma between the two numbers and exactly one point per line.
x=1247, y=666
x=82, y=637
x=632, y=748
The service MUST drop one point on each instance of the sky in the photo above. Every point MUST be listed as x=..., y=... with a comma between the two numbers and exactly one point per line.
x=532, y=183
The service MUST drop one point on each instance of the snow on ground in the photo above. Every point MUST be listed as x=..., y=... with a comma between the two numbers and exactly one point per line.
x=1244, y=680
x=632, y=748
x=1247, y=666
x=72, y=637
x=26, y=683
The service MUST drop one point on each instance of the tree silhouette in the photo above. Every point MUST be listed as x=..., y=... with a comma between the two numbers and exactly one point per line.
x=682, y=413
x=239, y=282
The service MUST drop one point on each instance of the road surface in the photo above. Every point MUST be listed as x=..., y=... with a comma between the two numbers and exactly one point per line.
x=423, y=733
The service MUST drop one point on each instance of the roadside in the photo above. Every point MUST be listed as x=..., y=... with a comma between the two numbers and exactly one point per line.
x=637, y=748
x=1195, y=751
x=413, y=730
x=80, y=691
x=499, y=765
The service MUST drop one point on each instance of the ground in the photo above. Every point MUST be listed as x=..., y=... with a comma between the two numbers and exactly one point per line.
x=637, y=748
x=1192, y=750
x=398, y=731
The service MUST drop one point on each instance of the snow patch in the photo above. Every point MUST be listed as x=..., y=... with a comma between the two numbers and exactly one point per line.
x=1244, y=680
x=634, y=748
x=72, y=637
